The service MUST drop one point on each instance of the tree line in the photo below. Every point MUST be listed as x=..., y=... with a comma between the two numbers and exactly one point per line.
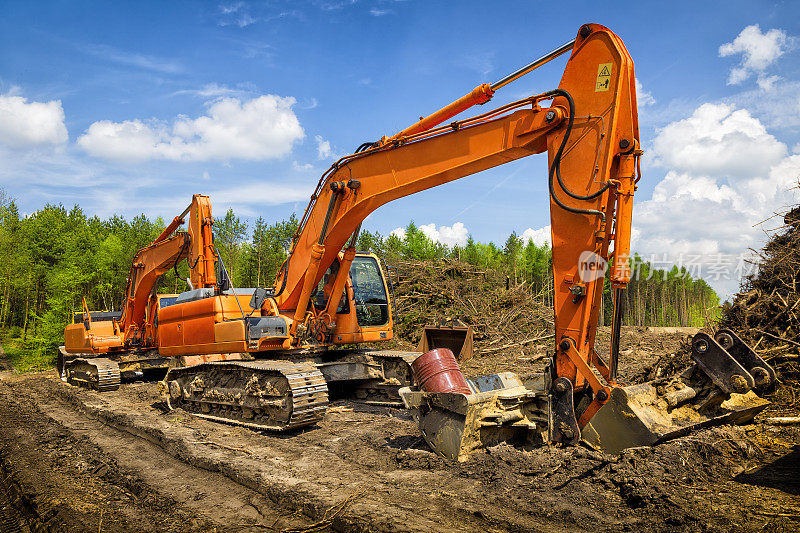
x=54, y=257
x=654, y=297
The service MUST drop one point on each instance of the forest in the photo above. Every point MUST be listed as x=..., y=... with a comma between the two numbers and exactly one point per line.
x=54, y=257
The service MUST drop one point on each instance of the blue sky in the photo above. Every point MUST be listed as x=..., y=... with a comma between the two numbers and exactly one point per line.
x=132, y=107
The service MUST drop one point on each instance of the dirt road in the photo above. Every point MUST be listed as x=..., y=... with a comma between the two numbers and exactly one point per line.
x=75, y=460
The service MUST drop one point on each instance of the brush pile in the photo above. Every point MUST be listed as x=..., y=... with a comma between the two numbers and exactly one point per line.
x=767, y=312
x=512, y=327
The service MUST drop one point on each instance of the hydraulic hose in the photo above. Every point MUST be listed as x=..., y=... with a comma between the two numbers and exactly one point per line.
x=364, y=146
x=285, y=270
x=555, y=166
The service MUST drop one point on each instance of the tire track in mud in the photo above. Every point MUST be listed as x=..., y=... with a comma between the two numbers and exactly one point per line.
x=191, y=499
x=10, y=520
x=59, y=481
x=312, y=471
x=201, y=491
x=297, y=476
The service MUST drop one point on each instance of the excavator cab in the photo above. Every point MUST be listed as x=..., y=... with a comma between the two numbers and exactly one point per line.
x=363, y=308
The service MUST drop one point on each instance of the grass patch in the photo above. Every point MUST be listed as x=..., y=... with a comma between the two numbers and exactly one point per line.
x=29, y=354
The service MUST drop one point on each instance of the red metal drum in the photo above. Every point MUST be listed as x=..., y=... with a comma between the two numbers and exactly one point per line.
x=438, y=371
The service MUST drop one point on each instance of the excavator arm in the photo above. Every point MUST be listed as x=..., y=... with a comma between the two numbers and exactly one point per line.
x=164, y=253
x=590, y=131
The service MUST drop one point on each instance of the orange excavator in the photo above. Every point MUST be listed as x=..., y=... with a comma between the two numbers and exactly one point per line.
x=126, y=342
x=268, y=357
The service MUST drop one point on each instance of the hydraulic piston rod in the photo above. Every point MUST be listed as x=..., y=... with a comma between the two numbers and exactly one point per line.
x=479, y=95
x=177, y=221
x=533, y=65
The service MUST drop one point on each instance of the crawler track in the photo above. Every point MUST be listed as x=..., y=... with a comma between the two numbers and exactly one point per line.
x=271, y=395
x=96, y=373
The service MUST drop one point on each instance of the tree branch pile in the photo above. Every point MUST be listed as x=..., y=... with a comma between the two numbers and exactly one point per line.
x=767, y=311
x=508, y=323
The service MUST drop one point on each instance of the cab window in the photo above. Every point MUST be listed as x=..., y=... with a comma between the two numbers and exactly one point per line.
x=369, y=292
x=166, y=301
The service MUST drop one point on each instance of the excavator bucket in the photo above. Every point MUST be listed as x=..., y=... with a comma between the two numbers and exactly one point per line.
x=720, y=388
x=455, y=336
x=638, y=415
x=498, y=409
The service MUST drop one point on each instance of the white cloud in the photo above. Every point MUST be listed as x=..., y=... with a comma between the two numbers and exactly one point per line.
x=737, y=75
x=54, y=170
x=335, y=5
x=235, y=14
x=310, y=103
x=780, y=108
x=26, y=124
x=726, y=175
x=248, y=197
x=448, y=235
x=643, y=98
x=257, y=129
x=759, y=51
x=302, y=167
x=323, y=147
x=210, y=90
x=375, y=12
x=540, y=236
x=480, y=62
x=767, y=83
x=717, y=140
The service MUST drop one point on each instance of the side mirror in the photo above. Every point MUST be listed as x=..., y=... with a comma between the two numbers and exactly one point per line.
x=259, y=295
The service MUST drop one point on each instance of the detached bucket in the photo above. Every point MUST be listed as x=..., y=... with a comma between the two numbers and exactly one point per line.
x=438, y=371
x=456, y=338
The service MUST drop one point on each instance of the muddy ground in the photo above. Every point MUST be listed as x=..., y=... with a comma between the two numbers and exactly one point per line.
x=76, y=460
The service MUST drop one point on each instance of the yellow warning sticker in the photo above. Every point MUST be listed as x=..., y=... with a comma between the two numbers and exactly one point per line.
x=603, y=77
